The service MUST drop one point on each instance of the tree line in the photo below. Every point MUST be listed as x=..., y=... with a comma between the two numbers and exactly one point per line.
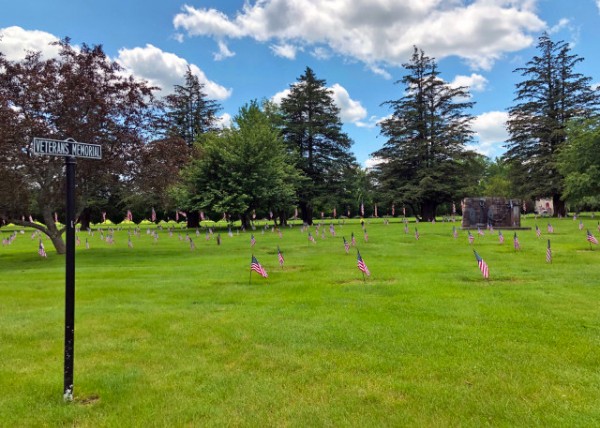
x=171, y=154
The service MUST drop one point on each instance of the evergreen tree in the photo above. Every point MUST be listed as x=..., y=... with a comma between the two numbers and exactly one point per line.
x=189, y=111
x=551, y=94
x=426, y=134
x=312, y=130
x=190, y=115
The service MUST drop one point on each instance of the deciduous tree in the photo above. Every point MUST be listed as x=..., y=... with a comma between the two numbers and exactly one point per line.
x=82, y=95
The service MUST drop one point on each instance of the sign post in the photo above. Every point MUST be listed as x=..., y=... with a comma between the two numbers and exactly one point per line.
x=69, y=149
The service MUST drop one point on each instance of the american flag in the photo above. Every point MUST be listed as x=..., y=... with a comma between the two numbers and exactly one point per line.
x=129, y=243
x=483, y=267
x=153, y=215
x=87, y=244
x=549, y=253
x=550, y=228
x=454, y=232
x=256, y=267
x=471, y=237
x=252, y=240
x=332, y=229
x=366, y=236
x=346, y=245
x=352, y=239
x=77, y=240
x=480, y=232
x=311, y=238
x=491, y=228
x=361, y=264
x=42, y=250
x=516, y=242
x=591, y=238
x=405, y=228
x=280, y=257
x=538, y=232
x=416, y=234
x=580, y=225
x=500, y=237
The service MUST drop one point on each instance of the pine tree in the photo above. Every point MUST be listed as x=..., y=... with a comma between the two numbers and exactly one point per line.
x=190, y=113
x=426, y=134
x=313, y=131
x=551, y=95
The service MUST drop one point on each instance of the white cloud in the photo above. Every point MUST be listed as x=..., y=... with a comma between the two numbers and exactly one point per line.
x=475, y=82
x=321, y=53
x=351, y=111
x=280, y=95
x=166, y=70
x=16, y=42
x=150, y=63
x=224, y=121
x=562, y=23
x=598, y=4
x=285, y=50
x=372, y=162
x=379, y=33
x=490, y=129
x=223, y=53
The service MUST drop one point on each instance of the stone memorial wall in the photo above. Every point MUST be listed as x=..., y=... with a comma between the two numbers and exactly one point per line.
x=498, y=212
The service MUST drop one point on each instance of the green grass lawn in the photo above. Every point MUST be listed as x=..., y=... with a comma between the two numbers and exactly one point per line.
x=168, y=336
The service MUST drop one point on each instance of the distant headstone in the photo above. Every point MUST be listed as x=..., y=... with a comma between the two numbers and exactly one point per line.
x=497, y=212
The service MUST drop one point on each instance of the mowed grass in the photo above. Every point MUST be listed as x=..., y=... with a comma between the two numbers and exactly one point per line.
x=167, y=336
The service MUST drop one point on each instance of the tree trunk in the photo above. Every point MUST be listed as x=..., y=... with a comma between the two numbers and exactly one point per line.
x=282, y=218
x=245, y=219
x=559, y=206
x=85, y=218
x=428, y=209
x=193, y=220
x=53, y=233
x=306, y=212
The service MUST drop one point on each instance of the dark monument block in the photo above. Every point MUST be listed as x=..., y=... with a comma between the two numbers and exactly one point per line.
x=498, y=212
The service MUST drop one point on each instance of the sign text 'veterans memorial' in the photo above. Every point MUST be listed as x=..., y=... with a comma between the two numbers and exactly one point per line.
x=70, y=150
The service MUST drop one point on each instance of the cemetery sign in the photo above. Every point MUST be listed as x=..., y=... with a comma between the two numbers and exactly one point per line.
x=70, y=150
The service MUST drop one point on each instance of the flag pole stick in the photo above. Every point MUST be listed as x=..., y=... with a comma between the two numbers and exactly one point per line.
x=250, y=279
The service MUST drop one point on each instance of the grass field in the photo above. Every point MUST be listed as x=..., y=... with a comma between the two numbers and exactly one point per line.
x=168, y=336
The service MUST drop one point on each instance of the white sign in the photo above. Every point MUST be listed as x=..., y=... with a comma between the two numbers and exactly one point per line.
x=46, y=146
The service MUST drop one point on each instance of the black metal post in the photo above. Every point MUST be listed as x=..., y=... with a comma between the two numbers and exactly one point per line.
x=70, y=282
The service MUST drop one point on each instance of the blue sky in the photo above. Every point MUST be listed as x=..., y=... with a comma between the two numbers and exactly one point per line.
x=256, y=49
